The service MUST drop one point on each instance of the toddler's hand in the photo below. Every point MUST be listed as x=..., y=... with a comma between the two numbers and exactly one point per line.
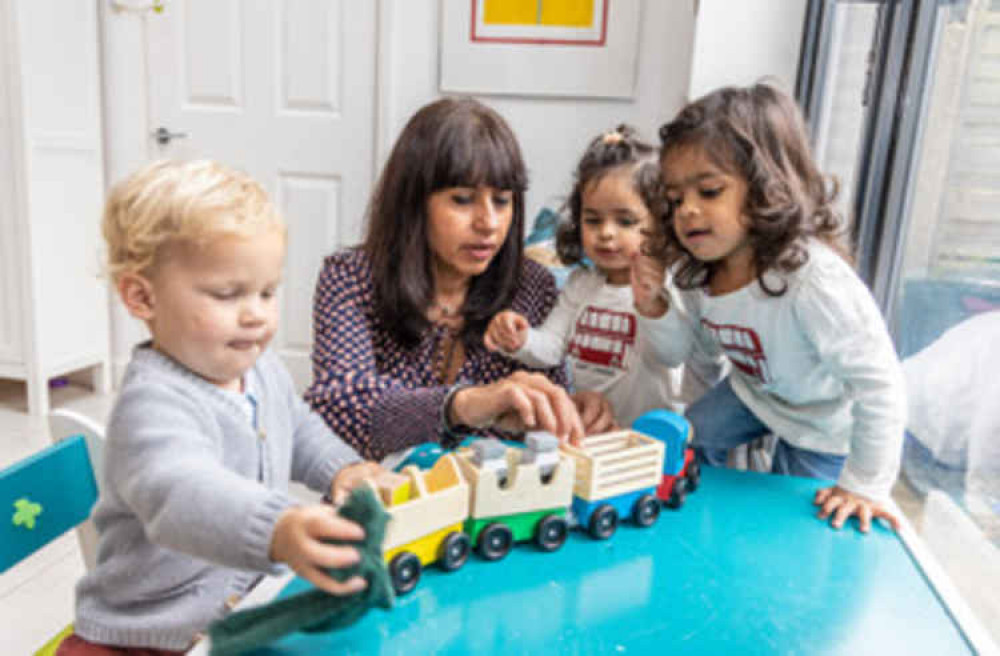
x=299, y=541
x=595, y=411
x=350, y=477
x=647, y=277
x=508, y=331
x=843, y=504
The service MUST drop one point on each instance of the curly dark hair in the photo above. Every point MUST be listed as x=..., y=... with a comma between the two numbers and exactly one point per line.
x=619, y=147
x=453, y=142
x=757, y=133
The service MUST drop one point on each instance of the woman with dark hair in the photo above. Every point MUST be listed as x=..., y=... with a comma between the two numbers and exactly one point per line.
x=398, y=356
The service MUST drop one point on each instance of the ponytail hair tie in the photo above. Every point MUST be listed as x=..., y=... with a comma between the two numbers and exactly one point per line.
x=613, y=137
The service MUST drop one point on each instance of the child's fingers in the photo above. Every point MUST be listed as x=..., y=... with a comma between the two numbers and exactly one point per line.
x=882, y=513
x=511, y=328
x=489, y=342
x=843, y=512
x=333, y=556
x=519, y=324
x=589, y=412
x=335, y=527
x=493, y=338
x=499, y=342
x=864, y=517
x=327, y=583
x=830, y=504
x=634, y=273
x=822, y=495
x=351, y=477
x=505, y=337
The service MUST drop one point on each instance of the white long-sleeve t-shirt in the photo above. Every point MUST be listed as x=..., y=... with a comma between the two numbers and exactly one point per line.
x=594, y=325
x=816, y=364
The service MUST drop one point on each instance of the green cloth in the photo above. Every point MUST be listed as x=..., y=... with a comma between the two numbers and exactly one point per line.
x=316, y=610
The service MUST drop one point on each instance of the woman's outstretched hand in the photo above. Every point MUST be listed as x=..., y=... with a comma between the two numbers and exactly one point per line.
x=520, y=402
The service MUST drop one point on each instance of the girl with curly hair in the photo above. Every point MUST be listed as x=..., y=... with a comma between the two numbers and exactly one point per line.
x=754, y=247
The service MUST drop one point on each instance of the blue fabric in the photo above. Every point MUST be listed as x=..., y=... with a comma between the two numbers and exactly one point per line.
x=721, y=421
x=793, y=461
x=929, y=307
x=544, y=227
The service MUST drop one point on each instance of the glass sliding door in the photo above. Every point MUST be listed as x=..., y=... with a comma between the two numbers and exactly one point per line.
x=903, y=102
x=946, y=309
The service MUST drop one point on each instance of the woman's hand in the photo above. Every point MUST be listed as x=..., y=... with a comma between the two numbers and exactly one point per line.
x=520, y=402
x=300, y=540
x=647, y=277
x=350, y=477
x=595, y=412
x=508, y=331
x=843, y=504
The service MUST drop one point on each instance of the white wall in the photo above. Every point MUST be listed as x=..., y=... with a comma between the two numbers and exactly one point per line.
x=552, y=132
x=740, y=42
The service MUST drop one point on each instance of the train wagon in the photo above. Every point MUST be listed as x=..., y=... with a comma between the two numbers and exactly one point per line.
x=428, y=509
x=517, y=494
x=617, y=474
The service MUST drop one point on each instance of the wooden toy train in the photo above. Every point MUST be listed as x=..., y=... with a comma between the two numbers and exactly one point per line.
x=491, y=496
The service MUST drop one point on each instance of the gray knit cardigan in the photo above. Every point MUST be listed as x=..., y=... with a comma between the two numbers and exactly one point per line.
x=189, y=498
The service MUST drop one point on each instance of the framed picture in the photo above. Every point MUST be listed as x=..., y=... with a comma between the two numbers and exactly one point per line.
x=582, y=48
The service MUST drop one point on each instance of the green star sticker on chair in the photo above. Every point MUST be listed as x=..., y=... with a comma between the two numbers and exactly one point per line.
x=44, y=496
x=25, y=512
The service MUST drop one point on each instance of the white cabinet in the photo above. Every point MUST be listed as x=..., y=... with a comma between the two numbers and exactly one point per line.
x=53, y=299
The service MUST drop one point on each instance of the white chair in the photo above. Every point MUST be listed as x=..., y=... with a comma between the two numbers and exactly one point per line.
x=51, y=492
x=67, y=423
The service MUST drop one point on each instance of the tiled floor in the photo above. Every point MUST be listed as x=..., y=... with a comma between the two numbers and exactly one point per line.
x=39, y=591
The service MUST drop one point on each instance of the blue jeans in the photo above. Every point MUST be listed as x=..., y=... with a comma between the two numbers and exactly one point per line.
x=721, y=422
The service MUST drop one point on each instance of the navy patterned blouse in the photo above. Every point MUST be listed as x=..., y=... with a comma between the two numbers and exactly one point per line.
x=378, y=395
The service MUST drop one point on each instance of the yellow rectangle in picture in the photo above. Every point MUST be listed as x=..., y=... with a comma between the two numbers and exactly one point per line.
x=554, y=13
x=510, y=12
x=567, y=13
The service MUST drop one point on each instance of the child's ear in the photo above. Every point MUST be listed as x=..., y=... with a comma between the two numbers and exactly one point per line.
x=136, y=292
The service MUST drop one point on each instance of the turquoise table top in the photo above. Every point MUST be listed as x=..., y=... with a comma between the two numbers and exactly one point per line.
x=744, y=568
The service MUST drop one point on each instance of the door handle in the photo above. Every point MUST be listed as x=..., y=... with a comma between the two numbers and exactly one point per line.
x=164, y=136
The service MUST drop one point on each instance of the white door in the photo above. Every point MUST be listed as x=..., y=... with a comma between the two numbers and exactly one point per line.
x=284, y=90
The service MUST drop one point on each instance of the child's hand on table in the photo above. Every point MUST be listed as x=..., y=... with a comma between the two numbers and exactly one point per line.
x=842, y=505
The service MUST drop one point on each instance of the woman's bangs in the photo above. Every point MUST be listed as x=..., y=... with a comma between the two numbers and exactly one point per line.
x=476, y=160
